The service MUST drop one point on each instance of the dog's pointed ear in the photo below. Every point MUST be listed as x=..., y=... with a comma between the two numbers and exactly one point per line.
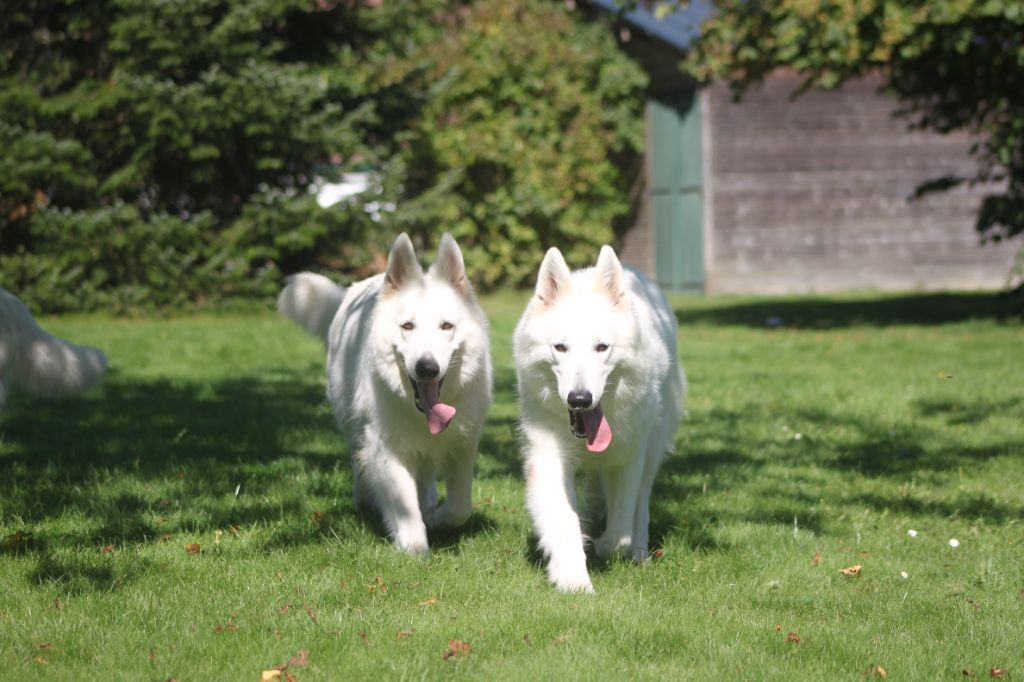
x=402, y=269
x=554, y=278
x=608, y=275
x=450, y=267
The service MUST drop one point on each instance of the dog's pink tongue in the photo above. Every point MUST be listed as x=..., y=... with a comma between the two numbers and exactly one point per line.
x=599, y=434
x=438, y=414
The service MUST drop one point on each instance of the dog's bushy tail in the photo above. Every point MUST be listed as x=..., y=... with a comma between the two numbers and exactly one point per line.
x=310, y=301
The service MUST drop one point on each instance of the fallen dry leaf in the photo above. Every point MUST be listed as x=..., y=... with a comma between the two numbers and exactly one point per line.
x=778, y=627
x=57, y=604
x=318, y=517
x=107, y=549
x=377, y=585
x=192, y=548
x=851, y=571
x=427, y=602
x=299, y=660
x=309, y=612
x=876, y=671
x=17, y=541
x=270, y=676
x=658, y=554
x=817, y=558
x=362, y=636
x=793, y=637
x=456, y=647
x=997, y=672
x=402, y=634
x=286, y=608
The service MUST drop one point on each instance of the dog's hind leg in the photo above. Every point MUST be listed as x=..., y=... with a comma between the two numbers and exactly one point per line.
x=458, y=500
x=622, y=488
x=426, y=491
x=593, y=500
x=642, y=517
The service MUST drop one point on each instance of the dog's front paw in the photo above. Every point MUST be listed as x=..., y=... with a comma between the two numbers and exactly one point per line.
x=412, y=539
x=610, y=545
x=415, y=548
x=569, y=578
x=446, y=516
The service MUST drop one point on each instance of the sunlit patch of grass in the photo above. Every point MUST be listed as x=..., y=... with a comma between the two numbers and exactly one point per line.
x=193, y=518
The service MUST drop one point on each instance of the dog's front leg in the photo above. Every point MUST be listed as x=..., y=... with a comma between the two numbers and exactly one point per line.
x=548, y=495
x=393, y=490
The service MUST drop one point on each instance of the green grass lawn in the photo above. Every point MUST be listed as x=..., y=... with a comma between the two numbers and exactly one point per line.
x=810, y=447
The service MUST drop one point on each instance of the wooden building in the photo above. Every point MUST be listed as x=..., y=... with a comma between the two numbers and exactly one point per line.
x=772, y=194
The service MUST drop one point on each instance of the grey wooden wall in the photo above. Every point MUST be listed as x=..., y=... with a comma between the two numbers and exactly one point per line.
x=812, y=195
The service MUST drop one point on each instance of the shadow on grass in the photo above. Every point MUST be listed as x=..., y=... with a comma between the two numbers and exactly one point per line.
x=840, y=312
x=729, y=469
x=150, y=458
x=179, y=452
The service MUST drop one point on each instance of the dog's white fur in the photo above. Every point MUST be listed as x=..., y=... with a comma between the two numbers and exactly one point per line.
x=41, y=365
x=370, y=361
x=609, y=331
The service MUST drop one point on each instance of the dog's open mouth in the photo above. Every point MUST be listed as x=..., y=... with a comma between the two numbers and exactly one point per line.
x=592, y=425
x=427, y=396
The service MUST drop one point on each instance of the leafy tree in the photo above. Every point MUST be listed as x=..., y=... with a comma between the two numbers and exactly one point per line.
x=954, y=64
x=528, y=135
x=187, y=117
x=161, y=153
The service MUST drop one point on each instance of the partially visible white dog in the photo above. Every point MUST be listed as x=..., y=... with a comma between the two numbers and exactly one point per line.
x=409, y=381
x=600, y=387
x=38, y=364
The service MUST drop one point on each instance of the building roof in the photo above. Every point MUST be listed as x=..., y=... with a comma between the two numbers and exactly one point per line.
x=676, y=29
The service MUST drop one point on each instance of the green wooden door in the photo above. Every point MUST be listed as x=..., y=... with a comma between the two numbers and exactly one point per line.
x=677, y=197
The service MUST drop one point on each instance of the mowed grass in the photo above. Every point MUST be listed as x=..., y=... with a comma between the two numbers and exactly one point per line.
x=811, y=446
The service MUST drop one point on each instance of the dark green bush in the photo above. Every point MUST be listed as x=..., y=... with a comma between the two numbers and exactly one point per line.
x=161, y=154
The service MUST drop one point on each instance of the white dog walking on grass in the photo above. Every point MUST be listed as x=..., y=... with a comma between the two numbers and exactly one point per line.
x=600, y=387
x=409, y=381
x=39, y=364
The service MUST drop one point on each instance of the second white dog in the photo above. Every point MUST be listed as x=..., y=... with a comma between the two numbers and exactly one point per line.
x=601, y=388
x=409, y=381
x=39, y=364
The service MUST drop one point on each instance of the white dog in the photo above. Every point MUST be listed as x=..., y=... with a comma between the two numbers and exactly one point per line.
x=409, y=381
x=38, y=364
x=600, y=386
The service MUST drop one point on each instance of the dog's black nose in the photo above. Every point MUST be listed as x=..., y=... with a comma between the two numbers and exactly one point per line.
x=580, y=399
x=427, y=368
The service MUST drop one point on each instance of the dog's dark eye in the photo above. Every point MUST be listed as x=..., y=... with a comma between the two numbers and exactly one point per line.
x=560, y=347
x=408, y=326
x=601, y=347
x=447, y=326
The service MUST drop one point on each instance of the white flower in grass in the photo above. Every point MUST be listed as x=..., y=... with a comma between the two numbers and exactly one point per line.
x=904, y=575
x=912, y=533
x=954, y=543
x=797, y=436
